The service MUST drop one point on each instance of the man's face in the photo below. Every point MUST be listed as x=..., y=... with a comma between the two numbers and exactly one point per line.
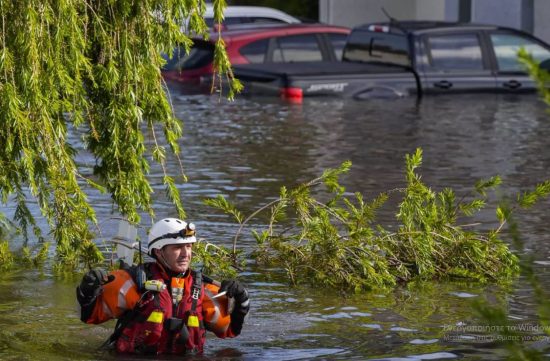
x=177, y=256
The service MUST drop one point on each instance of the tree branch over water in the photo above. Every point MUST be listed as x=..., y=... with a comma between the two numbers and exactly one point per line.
x=92, y=67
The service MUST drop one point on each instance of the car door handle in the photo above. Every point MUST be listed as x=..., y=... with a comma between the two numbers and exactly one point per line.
x=443, y=84
x=512, y=84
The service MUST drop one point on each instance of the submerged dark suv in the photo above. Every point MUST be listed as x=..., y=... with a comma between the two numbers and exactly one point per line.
x=409, y=57
x=450, y=57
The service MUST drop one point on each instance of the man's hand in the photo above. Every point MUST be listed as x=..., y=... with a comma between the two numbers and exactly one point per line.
x=90, y=287
x=236, y=290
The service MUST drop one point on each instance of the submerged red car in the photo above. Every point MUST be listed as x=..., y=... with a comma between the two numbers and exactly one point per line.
x=273, y=43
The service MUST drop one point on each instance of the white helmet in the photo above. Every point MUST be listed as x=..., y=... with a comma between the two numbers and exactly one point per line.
x=170, y=231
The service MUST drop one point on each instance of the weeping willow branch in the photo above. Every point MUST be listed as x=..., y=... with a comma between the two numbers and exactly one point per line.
x=91, y=67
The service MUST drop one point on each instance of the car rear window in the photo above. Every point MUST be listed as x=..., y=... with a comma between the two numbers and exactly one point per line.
x=255, y=51
x=368, y=46
x=201, y=54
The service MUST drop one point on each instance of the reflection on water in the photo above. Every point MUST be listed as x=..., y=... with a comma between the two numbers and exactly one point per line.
x=246, y=150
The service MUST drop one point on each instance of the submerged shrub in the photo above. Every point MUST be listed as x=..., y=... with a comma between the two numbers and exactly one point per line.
x=34, y=259
x=24, y=257
x=432, y=245
x=337, y=243
x=6, y=256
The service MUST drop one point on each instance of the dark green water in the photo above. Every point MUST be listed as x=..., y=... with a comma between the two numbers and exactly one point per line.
x=246, y=151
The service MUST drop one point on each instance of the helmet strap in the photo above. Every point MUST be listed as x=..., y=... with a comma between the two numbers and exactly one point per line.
x=162, y=260
x=164, y=264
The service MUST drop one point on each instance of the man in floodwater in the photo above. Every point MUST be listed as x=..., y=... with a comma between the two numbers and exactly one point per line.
x=164, y=307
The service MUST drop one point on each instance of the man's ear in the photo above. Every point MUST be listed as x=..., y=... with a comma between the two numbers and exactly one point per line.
x=156, y=252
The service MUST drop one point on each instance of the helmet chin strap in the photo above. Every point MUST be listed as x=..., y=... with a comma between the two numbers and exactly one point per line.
x=163, y=260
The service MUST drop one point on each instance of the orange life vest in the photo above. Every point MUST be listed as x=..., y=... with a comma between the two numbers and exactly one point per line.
x=122, y=295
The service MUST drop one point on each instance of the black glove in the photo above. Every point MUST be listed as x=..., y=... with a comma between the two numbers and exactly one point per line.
x=236, y=290
x=90, y=287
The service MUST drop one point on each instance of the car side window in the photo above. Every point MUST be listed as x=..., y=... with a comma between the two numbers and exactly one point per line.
x=255, y=51
x=297, y=48
x=338, y=42
x=455, y=52
x=506, y=47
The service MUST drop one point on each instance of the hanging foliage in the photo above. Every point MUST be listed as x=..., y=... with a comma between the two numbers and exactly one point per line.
x=93, y=66
x=509, y=333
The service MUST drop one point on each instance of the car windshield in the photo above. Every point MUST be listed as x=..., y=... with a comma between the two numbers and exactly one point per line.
x=227, y=21
x=237, y=20
x=201, y=54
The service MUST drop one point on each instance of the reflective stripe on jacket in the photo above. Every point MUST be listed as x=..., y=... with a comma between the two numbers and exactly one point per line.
x=117, y=297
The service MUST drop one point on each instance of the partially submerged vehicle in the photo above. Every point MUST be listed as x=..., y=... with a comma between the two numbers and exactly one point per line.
x=270, y=43
x=407, y=57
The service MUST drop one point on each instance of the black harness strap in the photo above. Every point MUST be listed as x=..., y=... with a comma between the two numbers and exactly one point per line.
x=196, y=290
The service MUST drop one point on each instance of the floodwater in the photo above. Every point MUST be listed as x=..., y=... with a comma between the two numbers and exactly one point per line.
x=246, y=150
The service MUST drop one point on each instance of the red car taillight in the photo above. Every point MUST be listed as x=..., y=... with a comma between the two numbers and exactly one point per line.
x=293, y=95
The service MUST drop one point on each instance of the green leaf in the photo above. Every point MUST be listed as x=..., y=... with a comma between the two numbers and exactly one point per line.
x=224, y=205
x=472, y=207
x=503, y=212
x=528, y=199
x=482, y=185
